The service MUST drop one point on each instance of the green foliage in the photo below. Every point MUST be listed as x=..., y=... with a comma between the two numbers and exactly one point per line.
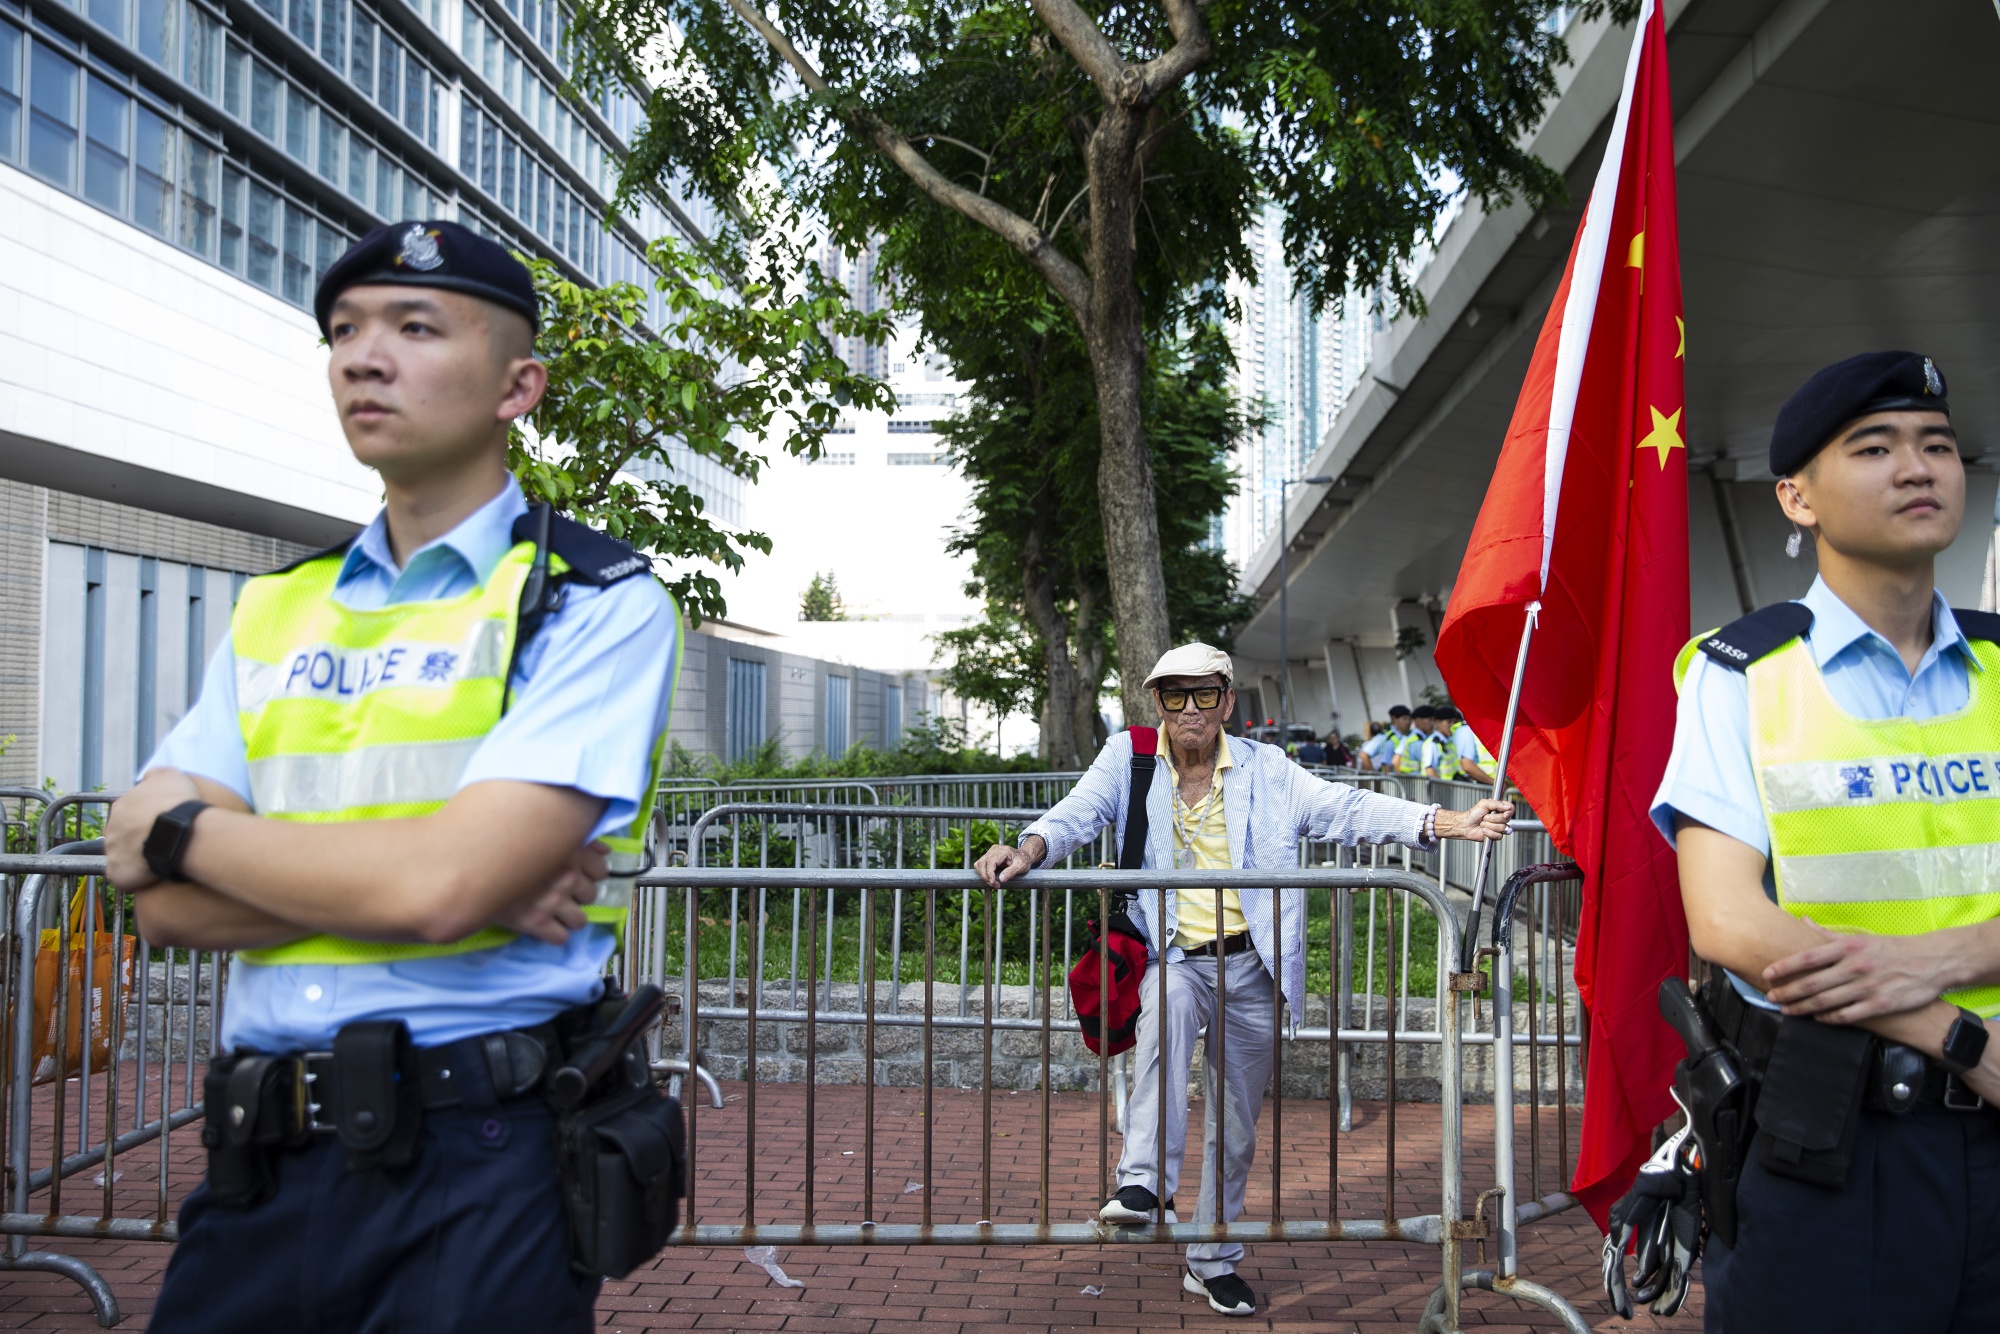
x=934, y=746
x=735, y=361
x=997, y=661
x=821, y=601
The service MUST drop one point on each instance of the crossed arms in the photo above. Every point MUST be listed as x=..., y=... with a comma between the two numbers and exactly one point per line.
x=1888, y=984
x=502, y=853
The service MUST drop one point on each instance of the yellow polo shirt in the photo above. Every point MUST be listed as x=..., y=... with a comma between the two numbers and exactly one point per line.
x=1211, y=853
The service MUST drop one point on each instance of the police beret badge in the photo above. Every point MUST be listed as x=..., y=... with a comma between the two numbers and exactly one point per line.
x=420, y=249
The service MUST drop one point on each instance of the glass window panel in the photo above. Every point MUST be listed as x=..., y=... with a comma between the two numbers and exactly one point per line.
x=361, y=56
x=531, y=20
x=298, y=254
x=109, y=14
x=490, y=62
x=468, y=32
x=327, y=245
x=432, y=113
x=107, y=121
x=489, y=156
x=235, y=77
x=360, y=166
x=157, y=145
x=468, y=138
x=299, y=119
x=233, y=182
x=416, y=199
x=387, y=192
x=202, y=63
x=507, y=167
x=198, y=195
x=561, y=238
x=302, y=22
x=264, y=210
x=512, y=76
x=52, y=121
x=264, y=100
x=275, y=8
x=333, y=32
x=415, y=96
x=158, y=24
x=332, y=145
x=388, y=70
x=12, y=44
x=542, y=187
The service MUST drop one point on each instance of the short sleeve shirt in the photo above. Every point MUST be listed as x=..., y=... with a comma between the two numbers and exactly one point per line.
x=592, y=691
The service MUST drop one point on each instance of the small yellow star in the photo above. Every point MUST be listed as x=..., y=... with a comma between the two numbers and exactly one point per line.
x=1665, y=435
x=1681, y=351
x=1635, y=258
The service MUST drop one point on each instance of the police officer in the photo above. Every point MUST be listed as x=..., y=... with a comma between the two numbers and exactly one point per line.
x=1409, y=754
x=1378, y=753
x=1834, y=801
x=1455, y=752
x=414, y=759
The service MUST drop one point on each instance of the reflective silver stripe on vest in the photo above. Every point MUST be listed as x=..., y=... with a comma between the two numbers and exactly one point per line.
x=616, y=889
x=344, y=675
x=377, y=776
x=1902, y=876
x=1812, y=785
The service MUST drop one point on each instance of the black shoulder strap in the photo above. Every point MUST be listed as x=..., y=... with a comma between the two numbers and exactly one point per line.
x=337, y=549
x=593, y=558
x=1764, y=631
x=1145, y=759
x=1978, y=624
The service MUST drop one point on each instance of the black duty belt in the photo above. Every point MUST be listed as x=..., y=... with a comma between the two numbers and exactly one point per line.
x=1235, y=944
x=1901, y=1078
x=514, y=1060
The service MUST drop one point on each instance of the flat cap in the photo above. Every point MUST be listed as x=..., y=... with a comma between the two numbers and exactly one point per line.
x=1871, y=382
x=431, y=254
x=1192, y=660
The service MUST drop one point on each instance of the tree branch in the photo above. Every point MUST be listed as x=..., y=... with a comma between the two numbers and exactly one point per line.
x=1068, y=279
x=1086, y=45
x=1192, y=48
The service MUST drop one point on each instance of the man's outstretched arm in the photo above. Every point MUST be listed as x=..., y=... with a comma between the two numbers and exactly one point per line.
x=493, y=848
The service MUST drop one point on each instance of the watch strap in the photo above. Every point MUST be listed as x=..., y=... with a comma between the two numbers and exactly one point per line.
x=167, y=842
x=1965, y=1041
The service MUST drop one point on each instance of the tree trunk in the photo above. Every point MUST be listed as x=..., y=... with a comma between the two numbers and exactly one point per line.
x=1089, y=660
x=1115, y=335
x=1059, y=743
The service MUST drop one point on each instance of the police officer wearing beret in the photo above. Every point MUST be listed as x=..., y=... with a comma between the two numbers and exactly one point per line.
x=1834, y=797
x=418, y=767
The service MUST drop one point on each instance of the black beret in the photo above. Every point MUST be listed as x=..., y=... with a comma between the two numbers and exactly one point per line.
x=1423, y=711
x=431, y=254
x=1871, y=382
x=1398, y=710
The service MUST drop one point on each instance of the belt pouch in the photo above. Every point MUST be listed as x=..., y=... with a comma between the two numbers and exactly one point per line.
x=621, y=1161
x=1810, y=1102
x=379, y=1105
x=245, y=1118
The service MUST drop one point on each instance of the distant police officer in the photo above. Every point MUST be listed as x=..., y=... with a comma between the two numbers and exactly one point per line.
x=1379, y=751
x=1409, y=754
x=1834, y=798
x=414, y=759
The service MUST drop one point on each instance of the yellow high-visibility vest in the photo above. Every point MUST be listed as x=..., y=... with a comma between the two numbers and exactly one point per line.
x=1889, y=826
x=1409, y=754
x=373, y=715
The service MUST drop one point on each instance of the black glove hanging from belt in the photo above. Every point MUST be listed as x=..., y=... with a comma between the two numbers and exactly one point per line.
x=1662, y=1215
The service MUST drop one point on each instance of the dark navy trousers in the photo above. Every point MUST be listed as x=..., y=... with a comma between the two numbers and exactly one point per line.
x=471, y=1237
x=1911, y=1245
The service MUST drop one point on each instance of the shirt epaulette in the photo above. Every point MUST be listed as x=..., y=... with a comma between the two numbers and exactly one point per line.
x=594, y=558
x=1978, y=624
x=1745, y=640
x=337, y=549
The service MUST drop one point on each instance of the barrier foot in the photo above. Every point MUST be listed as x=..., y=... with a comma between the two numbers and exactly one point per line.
x=102, y=1299
x=1520, y=1289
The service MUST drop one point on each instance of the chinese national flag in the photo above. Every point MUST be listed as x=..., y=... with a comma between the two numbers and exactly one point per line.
x=1587, y=515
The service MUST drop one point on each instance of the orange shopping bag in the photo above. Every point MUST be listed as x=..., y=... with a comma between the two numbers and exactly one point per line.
x=110, y=969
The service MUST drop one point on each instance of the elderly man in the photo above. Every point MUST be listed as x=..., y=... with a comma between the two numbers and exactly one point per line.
x=1227, y=802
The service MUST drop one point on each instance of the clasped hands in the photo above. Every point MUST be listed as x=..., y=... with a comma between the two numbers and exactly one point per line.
x=1850, y=978
x=549, y=915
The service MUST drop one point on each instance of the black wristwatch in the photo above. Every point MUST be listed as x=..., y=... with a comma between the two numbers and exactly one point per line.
x=167, y=843
x=1965, y=1042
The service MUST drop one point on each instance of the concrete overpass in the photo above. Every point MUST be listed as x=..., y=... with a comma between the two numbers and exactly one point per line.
x=1839, y=171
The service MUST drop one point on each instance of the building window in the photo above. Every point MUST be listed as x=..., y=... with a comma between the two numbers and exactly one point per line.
x=836, y=460
x=892, y=717
x=107, y=125
x=900, y=426
x=52, y=122
x=914, y=460
x=109, y=15
x=158, y=29
x=11, y=45
x=203, y=65
x=839, y=708
x=158, y=144
x=743, y=730
x=264, y=108
x=263, y=236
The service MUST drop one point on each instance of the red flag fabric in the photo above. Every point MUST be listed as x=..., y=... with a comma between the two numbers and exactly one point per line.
x=1587, y=516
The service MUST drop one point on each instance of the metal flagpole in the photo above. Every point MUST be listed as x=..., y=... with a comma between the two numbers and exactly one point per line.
x=1468, y=946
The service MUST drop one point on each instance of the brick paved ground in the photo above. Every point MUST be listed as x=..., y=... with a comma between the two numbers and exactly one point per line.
x=958, y=1290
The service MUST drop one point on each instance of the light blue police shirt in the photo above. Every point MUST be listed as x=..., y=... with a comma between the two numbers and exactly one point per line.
x=592, y=691
x=1710, y=776
x=1381, y=747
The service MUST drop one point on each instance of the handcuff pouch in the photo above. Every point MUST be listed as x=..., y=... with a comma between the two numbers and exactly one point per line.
x=1810, y=1102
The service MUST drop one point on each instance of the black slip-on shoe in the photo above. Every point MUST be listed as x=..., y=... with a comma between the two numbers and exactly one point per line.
x=1133, y=1204
x=1226, y=1293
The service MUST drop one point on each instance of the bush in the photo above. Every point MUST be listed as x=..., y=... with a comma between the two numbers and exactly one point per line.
x=935, y=746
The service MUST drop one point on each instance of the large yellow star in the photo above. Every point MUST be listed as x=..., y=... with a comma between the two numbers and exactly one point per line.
x=1665, y=435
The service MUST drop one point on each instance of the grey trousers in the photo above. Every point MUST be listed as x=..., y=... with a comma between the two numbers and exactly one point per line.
x=1245, y=1037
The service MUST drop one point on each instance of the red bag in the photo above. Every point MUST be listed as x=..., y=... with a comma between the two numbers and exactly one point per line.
x=1114, y=951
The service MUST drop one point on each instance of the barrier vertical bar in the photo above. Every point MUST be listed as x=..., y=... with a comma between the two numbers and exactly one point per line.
x=693, y=1051
x=1503, y=1105
x=1048, y=1035
x=867, y=980
x=1278, y=1054
x=1389, y=1053
x=750, y=1069
x=812, y=1047
x=1218, y=1096
x=1340, y=909
x=989, y=960
x=1104, y=1046
x=930, y=1079
x=1160, y=1063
